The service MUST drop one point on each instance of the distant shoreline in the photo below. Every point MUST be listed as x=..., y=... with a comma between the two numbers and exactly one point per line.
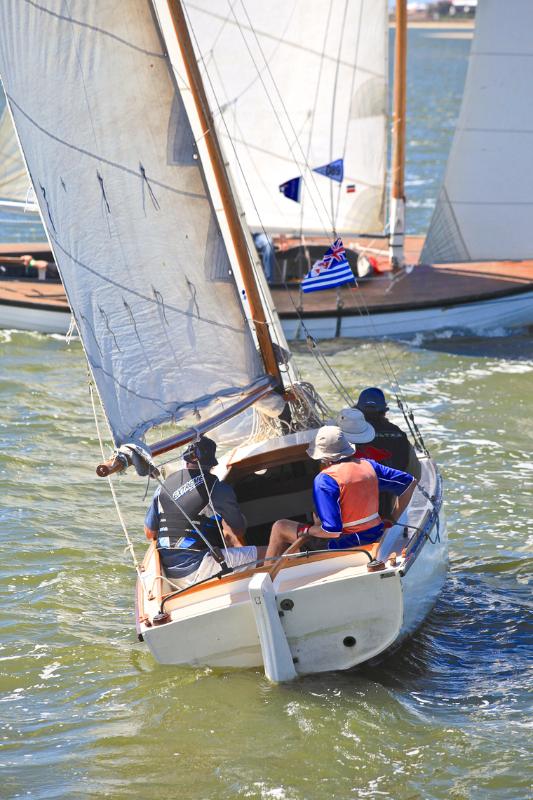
x=459, y=25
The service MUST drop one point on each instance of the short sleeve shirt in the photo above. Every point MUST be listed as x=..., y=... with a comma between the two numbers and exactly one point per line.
x=326, y=494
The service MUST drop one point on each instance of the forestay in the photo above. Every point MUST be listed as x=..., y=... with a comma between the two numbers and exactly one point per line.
x=485, y=208
x=306, y=69
x=113, y=161
x=15, y=184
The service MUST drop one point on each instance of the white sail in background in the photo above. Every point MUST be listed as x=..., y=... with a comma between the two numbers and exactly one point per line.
x=15, y=186
x=327, y=72
x=114, y=165
x=485, y=209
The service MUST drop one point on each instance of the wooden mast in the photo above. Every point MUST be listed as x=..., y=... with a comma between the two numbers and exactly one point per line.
x=228, y=202
x=397, y=205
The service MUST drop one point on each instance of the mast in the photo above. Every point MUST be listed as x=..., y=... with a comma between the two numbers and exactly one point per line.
x=397, y=200
x=196, y=86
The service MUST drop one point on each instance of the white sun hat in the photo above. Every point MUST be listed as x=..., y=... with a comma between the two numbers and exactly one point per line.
x=330, y=443
x=353, y=424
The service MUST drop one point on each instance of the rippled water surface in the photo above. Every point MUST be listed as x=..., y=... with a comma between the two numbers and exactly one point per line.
x=86, y=713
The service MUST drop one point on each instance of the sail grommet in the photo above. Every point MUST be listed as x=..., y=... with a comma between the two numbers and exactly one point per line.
x=161, y=618
x=349, y=641
x=375, y=566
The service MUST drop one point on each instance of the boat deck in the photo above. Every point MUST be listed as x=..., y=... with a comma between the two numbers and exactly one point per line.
x=27, y=292
x=424, y=287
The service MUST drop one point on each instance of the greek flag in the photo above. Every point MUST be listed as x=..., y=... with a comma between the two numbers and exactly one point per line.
x=332, y=270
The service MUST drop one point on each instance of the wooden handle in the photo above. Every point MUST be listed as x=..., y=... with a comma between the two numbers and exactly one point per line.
x=116, y=464
x=293, y=548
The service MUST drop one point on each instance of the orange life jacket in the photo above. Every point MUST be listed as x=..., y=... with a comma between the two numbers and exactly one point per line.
x=359, y=494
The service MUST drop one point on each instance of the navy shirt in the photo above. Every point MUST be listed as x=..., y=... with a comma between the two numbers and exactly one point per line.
x=326, y=494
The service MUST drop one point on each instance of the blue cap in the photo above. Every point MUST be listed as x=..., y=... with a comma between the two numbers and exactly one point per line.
x=372, y=399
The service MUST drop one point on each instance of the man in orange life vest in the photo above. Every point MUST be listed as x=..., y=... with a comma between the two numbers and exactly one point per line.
x=346, y=495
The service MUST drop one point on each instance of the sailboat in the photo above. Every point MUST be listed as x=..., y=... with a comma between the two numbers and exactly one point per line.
x=322, y=71
x=178, y=328
x=296, y=89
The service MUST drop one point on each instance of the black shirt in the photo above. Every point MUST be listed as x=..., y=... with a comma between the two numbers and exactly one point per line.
x=390, y=437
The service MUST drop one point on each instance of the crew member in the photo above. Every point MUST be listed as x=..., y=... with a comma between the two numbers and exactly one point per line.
x=346, y=495
x=358, y=431
x=388, y=435
x=192, y=512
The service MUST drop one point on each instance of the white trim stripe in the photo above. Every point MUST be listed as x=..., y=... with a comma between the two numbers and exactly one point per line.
x=360, y=521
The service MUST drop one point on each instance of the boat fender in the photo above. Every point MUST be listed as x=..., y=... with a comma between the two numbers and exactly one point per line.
x=375, y=566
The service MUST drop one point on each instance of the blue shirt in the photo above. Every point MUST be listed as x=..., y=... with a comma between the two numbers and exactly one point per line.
x=326, y=494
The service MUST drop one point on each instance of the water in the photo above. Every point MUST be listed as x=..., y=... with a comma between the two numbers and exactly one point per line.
x=86, y=713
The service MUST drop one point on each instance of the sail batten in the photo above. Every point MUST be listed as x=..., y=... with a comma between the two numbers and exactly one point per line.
x=113, y=160
x=485, y=208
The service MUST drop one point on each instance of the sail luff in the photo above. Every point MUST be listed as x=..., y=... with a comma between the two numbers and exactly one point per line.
x=227, y=202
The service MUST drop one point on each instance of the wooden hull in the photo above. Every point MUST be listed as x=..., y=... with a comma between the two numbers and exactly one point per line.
x=428, y=299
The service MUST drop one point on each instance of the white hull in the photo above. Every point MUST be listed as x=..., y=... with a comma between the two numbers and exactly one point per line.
x=33, y=318
x=329, y=613
x=505, y=312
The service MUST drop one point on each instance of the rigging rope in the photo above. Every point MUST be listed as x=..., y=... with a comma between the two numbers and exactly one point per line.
x=129, y=545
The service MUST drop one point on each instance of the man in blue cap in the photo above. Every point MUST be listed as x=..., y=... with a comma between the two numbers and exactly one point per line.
x=388, y=435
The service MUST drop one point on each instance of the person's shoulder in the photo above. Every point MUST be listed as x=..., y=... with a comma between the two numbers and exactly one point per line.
x=222, y=489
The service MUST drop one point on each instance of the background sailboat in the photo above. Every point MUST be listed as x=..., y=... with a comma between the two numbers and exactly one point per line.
x=176, y=327
x=328, y=62
x=344, y=69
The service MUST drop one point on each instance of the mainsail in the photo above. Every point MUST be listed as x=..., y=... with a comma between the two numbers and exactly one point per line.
x=123, y=195
x=294, y=86
x=485, y=208
x=15, y=186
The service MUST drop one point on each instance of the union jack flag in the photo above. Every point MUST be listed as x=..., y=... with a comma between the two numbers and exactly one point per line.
x=332, y=270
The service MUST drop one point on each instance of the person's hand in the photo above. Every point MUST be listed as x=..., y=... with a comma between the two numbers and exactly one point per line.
x=26, y=260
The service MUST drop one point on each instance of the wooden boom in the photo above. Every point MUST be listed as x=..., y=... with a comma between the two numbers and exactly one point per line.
x=120, y=461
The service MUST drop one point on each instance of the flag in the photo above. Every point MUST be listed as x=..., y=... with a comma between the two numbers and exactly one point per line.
x=331, y=271
x=333, y=170
x=350, y=189
x=292, y=189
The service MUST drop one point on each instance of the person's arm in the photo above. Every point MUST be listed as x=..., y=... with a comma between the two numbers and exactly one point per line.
x=401, y=484
x=151, y=520
x=401, y=502
x=225, y=504
x=326, y=494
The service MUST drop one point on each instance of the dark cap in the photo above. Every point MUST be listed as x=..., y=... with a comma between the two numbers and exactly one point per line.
x=372, y=399
x=203, y=451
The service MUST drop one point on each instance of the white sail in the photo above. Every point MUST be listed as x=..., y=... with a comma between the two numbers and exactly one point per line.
x=304, y=70
x=15, y=185
x=113, y=161
x=485, y=209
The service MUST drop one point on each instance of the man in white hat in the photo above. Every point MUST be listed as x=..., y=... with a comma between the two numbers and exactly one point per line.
x=346, y=496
